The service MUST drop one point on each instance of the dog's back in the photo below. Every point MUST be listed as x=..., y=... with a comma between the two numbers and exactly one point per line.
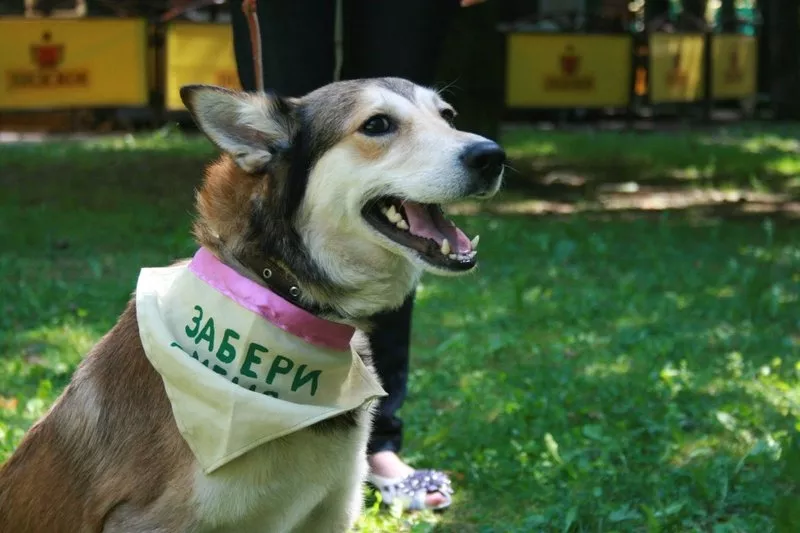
x=107, y=442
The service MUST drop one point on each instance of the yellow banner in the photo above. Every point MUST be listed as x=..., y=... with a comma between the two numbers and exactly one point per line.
x=734, y=66
x=568, y=70
x=63, y=63
x=198, y=53
x=676, y=68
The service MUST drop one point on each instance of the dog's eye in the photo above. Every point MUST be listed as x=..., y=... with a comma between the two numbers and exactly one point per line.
x=449, y=115
x=377, y=125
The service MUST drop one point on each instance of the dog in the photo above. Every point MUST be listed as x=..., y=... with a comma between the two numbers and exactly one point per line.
x=330, y=207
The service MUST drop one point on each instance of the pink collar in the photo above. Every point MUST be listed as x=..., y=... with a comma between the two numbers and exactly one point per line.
x=269, y=305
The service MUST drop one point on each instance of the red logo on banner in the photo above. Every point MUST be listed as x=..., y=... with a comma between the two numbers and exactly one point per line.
x=47, y=57
x=47, y=54
x=570, y=79
x=570, y=61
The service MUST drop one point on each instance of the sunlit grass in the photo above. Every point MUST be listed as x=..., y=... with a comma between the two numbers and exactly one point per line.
x=593, y=376
x=724, y=157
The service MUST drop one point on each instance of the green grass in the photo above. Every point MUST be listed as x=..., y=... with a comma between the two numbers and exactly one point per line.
x=595, y=375
x=762, y=157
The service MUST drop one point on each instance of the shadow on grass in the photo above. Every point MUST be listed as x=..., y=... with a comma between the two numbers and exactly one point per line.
x=105, y=174
x=761, y=158
x=693, y=205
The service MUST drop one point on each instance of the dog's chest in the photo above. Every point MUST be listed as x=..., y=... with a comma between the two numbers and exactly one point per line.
x=238, y=373
x=274, y=487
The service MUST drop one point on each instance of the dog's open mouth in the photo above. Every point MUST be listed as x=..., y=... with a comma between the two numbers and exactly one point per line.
x=423, y=228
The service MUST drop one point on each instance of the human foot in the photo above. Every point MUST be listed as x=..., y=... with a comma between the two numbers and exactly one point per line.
x=419, y=488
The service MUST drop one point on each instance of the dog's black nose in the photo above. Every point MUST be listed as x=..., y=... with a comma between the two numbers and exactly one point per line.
x=485, y=158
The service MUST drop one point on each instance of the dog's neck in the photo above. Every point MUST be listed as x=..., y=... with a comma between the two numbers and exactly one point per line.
x=279, y=279
x=360, y=283
x=265, y=301
x=353, y=305
x=361, y=278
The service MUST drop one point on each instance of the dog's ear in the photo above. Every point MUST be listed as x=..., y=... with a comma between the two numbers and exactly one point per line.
x=251, y=127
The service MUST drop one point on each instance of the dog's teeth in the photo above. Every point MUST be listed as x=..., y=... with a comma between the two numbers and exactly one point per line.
x=472, y=254
x=474, y=242
x=453, y=256
x=393, y=216
x=402, y=224
x=445, y=247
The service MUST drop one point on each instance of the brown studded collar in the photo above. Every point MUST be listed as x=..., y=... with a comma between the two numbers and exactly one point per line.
x=282, y=282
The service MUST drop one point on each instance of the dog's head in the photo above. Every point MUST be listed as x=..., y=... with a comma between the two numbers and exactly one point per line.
x=351, y=176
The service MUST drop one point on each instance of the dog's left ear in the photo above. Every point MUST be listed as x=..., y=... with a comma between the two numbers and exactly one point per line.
x=250, y=127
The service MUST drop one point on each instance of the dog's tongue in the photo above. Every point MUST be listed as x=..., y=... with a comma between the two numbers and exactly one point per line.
x=430, y=223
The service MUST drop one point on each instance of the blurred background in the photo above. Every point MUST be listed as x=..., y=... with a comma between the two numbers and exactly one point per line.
x=553, y=60
x=626, y=358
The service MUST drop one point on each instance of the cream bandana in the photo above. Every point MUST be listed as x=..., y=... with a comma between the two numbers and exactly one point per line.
x=241, y=366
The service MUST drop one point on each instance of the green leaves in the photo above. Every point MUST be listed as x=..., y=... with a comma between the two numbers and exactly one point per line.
x=552, y=448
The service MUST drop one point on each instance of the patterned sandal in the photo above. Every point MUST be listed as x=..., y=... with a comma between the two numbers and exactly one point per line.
x=412, y=490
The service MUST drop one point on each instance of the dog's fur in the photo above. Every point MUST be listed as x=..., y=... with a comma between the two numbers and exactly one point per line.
x=290, y=187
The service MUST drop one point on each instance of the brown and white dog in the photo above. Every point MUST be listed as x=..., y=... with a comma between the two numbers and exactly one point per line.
x=341, y=190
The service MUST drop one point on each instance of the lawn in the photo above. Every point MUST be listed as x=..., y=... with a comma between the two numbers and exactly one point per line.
x=599, y=373
x=762, y=157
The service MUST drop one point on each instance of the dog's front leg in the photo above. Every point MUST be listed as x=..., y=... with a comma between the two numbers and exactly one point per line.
x=337, y=513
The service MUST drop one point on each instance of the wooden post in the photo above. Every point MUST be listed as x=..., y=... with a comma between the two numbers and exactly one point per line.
x=695, y=8
x=765, y=40
x=654, y=9
x=784, y=27
x=708, y=75
x=727, y=14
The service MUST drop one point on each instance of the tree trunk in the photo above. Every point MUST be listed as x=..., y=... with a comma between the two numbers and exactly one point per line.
x=696, y=8
x=693, y=16
x=727, y=12
x=784, y=26
x=765, y=40
x=473, y=69
x=656, y=9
